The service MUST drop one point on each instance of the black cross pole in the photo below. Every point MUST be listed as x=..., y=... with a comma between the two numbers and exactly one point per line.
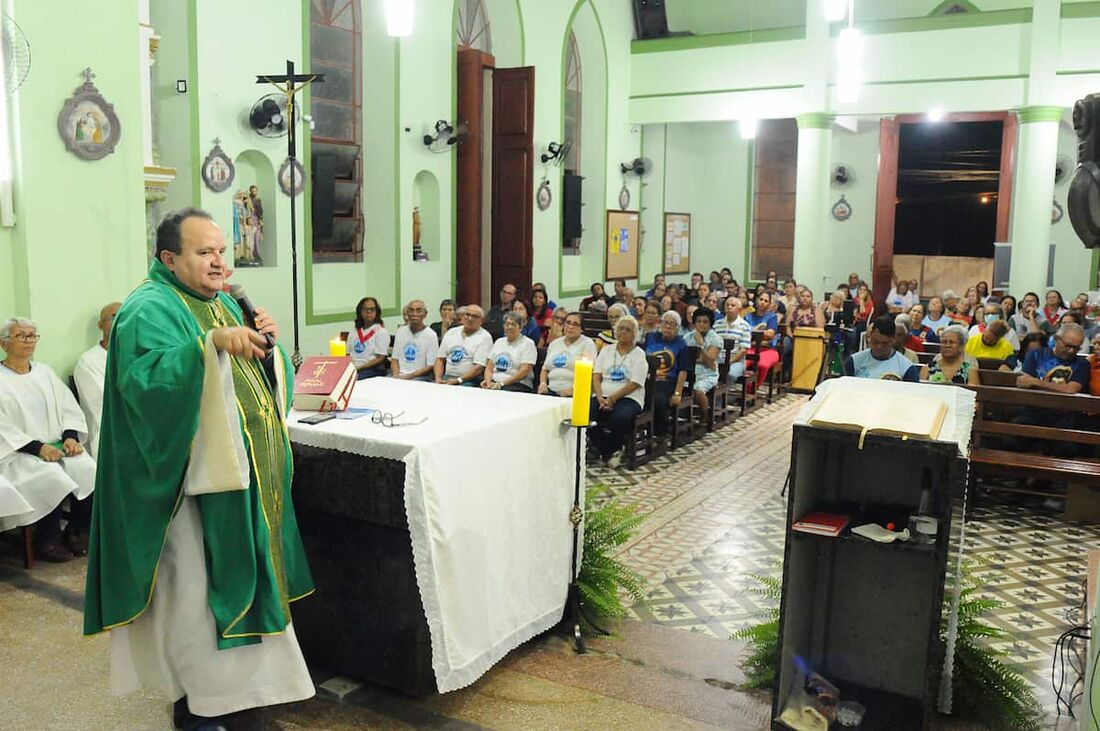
x=290, y=84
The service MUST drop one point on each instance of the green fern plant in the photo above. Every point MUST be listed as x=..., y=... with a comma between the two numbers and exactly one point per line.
x=761, y=663
x=985, y=687
x=603, y=580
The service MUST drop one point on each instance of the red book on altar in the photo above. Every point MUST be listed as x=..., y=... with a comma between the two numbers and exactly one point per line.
x=822, y=524
x=324, y=383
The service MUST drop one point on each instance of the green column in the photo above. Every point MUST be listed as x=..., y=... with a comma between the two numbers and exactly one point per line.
x=1029, y=233
x=811, y=207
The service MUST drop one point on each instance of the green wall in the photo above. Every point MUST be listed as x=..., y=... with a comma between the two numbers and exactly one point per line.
x=79, y=239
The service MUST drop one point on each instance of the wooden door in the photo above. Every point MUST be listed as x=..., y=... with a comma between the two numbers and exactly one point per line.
x=513, y=177
x=468, y=210
x=885, y=211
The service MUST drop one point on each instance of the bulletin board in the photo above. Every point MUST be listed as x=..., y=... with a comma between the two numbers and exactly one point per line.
x=677, y=243
x=622, y=245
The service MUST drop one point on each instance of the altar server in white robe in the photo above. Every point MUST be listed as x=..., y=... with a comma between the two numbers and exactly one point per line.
x=41, y=434
x=89, y=373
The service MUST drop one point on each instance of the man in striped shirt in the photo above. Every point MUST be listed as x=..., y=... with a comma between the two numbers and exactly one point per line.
x=734, y=327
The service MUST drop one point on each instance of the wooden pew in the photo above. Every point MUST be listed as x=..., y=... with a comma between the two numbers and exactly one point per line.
x=997, y=378
x=642, y=443
x=594, y=323
x=1081, y=475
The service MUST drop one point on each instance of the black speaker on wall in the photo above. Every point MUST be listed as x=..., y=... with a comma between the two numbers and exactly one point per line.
x=571, y=207
x=650, y=20
x=324, y=194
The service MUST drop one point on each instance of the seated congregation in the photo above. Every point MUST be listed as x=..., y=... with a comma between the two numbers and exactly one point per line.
x=671, y=364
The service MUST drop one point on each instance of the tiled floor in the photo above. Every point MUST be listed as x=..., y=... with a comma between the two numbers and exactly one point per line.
x=713, y=516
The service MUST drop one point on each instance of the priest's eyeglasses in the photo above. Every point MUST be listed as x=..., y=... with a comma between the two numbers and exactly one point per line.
x=25, y=338
x=387, y=419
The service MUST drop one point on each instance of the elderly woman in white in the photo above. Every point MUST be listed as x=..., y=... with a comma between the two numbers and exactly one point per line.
x=41, y=429
x=618, y=391
x=511, y=363
x=556, y=378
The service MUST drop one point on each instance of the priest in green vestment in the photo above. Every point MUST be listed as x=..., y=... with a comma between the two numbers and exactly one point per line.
x=195, y=553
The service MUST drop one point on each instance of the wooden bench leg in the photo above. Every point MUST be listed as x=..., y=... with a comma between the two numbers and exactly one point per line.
x=1082, y=504
x=28, y=546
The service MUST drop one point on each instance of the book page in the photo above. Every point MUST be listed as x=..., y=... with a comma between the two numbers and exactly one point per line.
x=880, y=412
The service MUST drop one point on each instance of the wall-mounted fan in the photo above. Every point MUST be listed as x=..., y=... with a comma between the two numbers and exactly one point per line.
x=268, y=116
x=842, y=175
x=15, y=52
x=639, y=167
x=1063, y=168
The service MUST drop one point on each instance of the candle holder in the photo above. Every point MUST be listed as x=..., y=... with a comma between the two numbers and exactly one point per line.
x=574, y=605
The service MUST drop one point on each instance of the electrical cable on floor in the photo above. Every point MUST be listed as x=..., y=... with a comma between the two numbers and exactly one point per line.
x=1062, y=651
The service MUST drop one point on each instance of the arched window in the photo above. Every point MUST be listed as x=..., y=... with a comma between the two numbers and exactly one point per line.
x=571, y=128
x=473, y=26
x=335, y=36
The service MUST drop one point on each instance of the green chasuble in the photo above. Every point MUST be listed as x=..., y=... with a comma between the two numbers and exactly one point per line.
x=255, y=563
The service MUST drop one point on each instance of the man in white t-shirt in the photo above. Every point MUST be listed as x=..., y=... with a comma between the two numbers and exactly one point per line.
x=462, y=354
x=415, y=346
x=89, y=373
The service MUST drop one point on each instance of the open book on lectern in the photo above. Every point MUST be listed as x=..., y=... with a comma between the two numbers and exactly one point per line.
x=894, y=414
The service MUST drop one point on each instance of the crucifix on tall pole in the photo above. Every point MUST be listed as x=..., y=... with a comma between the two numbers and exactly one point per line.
x=290, y=84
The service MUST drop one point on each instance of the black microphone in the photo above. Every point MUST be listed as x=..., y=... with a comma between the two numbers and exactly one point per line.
x=236, y=291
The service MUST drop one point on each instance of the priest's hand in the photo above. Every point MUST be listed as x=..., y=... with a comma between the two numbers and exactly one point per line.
x=72, y=447
x=266, y=324
x=50, y=453
x=243, y=342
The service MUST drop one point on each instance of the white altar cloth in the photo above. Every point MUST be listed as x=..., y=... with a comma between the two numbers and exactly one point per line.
x=488, y=490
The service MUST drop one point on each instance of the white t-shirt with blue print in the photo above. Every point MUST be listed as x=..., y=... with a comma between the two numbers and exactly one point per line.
x=616, y=369
x=507, y=357
x=461, y=352
x=414, y=351
x=560, y=359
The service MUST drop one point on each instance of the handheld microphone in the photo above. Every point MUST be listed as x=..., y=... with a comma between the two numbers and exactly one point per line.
x=236, y=291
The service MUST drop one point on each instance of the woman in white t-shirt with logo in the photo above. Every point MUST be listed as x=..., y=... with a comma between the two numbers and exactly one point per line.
x=618, y=388
x=556, y=378
x=511, y=362
x=368, y=342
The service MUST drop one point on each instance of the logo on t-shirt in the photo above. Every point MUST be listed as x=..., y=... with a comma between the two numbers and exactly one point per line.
x=560, y=360
x=503, y=362
x=1059, y=374
x=410, y=352
x=458, y=354
x=890, y=377
x=617, y=374
x=358, y=347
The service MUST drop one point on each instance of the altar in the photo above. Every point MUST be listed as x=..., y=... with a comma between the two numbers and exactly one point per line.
x=437, y=544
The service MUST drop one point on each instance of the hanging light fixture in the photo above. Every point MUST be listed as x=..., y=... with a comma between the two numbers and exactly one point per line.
x=835, y=10
x=399, y=18
x=748, y=128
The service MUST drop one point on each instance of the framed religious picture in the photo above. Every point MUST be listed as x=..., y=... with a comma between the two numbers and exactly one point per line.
x=87, y=123
x=299, y=177
x=217, y=169
x=543, y=195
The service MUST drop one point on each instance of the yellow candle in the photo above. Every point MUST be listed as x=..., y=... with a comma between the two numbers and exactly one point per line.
x=337, y=348
x=582, y=391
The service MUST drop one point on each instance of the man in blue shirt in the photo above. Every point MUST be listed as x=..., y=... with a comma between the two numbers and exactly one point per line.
x=880, y=360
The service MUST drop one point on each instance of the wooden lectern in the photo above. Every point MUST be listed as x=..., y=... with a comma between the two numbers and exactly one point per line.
x=809, y=349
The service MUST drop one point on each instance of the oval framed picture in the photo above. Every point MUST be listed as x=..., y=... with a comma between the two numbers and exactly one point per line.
x=299, y=177
x=543, y=195
x=842, y=210
x=218, y=171
x=1056, y=212
x=87, y=122
x=624, y=198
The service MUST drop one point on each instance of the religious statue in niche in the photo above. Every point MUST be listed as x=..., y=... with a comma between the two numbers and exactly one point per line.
x=87, y=123
x=248, y=228
x=418, y=253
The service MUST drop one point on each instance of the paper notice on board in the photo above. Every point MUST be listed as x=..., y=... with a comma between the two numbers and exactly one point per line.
x=675, y=259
